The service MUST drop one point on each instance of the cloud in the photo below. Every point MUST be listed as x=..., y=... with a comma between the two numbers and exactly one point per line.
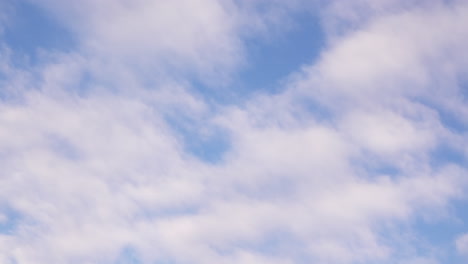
x=204, y=39
x=462, y=244
x=380, y=60
x=331, y=169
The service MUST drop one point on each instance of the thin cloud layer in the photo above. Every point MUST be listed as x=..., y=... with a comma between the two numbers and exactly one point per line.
x=358, y=153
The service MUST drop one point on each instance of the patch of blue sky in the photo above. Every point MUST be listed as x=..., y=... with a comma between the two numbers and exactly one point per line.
x=460, y=226
x=9, y=220
x=128, y=256
x=374, y=166
x=270, y=61
x=444, y=155
x=318, y=111
x=209, y=148
x=463, y=86
x=441, y=232
x=30, y=30
x=196, y=140
x=274, y=59
x=448, y=117
x=387, y=170
x=453, y=122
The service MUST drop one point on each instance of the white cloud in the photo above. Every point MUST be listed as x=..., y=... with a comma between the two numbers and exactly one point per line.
x=159, y=38
x=462, y=244
x=92, y=169
x=380, y=61
x=387, y=133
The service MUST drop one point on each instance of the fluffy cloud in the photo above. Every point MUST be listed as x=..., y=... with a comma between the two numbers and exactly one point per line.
x=95, y=167
x=201, y=38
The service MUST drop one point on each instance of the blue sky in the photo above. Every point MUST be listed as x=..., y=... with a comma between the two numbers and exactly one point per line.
x=233, y=131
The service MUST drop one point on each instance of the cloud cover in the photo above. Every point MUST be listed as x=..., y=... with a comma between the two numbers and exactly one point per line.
x=357, y=150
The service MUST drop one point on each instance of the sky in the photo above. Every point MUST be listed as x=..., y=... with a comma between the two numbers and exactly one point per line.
x=234, y=131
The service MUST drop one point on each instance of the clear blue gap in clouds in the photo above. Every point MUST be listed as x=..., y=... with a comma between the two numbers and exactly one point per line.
x=30, y=30
x=271, y=61
x=441, y=234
